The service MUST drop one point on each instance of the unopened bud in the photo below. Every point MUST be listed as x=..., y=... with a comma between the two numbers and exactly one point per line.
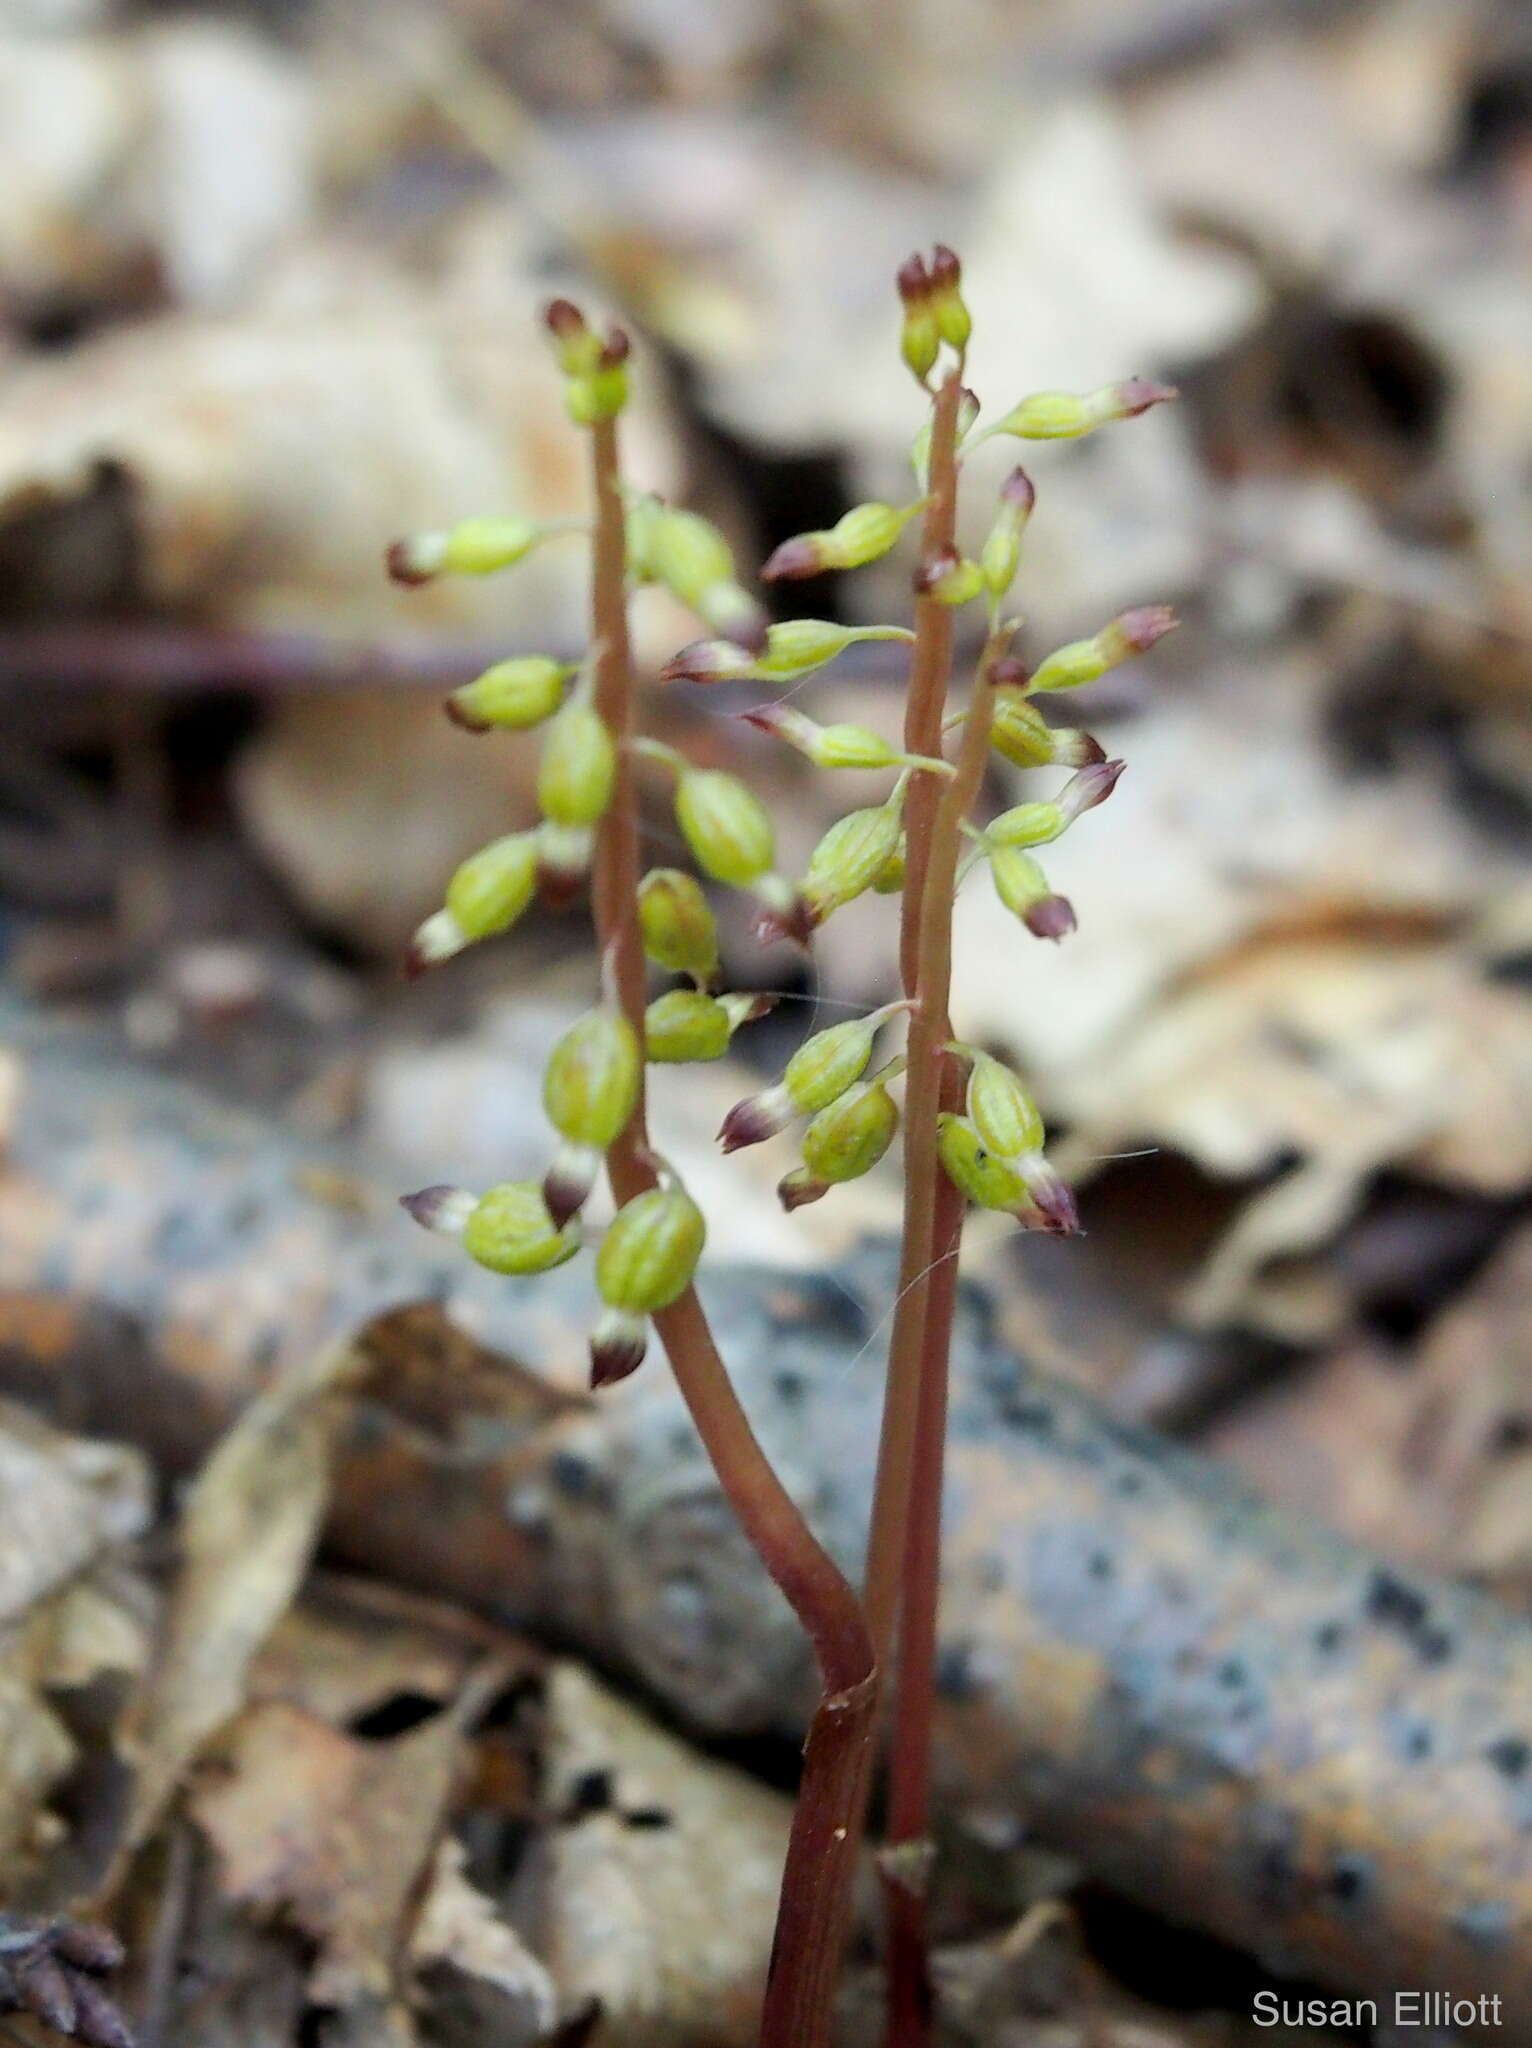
x=684, y=1024
x=949, y=578
x=919, y=338
x=1021, y=735
x=848, y=1138
x=1026, y=825
x=678, y=928
x=976, y=1169
x=486, y=895
x=794, y=648
x=836, y=746
x=819, y=1073
x=591, y=1081
x=474, y=547
x=1023, y=888
x=692, y=559
x=513, y=694
x=797, y=1189
x=578, y=766
x=952, y=318
x=859, y=536
x=651, y=1250
x=1000, y=1106
x=1083, y=660
x=576, y=346
x=1000, y=556
x=600, y=393
x=889, y=880
x=1064, y=415
x=726, y=826
x=443, y=1210
x=849, y=857
x=510, y=1231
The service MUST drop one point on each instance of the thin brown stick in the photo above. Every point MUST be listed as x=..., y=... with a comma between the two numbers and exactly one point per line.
x=821, y=1858
x=909, y=1808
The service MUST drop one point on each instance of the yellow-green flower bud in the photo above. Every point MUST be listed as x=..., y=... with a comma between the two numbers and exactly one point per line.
x=1023, y=888
x=949, y=578
x=819, y=1073
x=919, y=337
x=889, y=880
x=486, y=895
x=647, y=1260
x=849, y=858
x=678, y=928
x=684, y=1024
x=859, y=536
x=725, y=825
x=576, y=345
x=513, y=694
x=1035, y=824
x=843, y=1142
x=591, y=1081
x=836, y=746
x=509, y=1229
x=601, y=393
x=1000, y=556
x=976, y=1169
x=474, y=547
x=1064, y=415
x=953, y=323
x=794, y=648
x=1083, y=660
x=578, y=766
x=1000, y=1107
x=687, y=553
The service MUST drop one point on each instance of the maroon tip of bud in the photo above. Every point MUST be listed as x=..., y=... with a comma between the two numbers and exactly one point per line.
x=1147, y=623
x=1010, y=674
x=912, y=280
x=797, y=923
x=1083, y=751
x=796, y=1190
x=946, y=271
x=1137, y=394
x=931, y=571
x=564, y=1196
x=1051, y=917
x=1093, y=785
x=696, y=663
x=402, y=566
x=416, y=961
x=563, y=318
x=558, y=886
x=1054, y=1203
x=794, y=558
x=616, y=348
x=765, y=720
x=460, y=716
x=747, y=1124
x=1019, y=491
x=87, y=1945
x=425, y=1207
x=615, y=1358
x=761, y=1007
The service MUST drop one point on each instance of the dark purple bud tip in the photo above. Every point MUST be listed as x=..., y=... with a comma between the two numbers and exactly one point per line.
x=934, y=570
x=794, y=558
x=797, y=923
x=1073, y=748
x=797, y=1189
x=1010, y=674
x=1137, y=394
x=428, y=1207
x=565, y=1193
x=1054, y=1202
x=1018, y=491
x=1051, y=917
x=912, y=280
x=617, y=1350
x=1147, y=623
x=945, y=269
x=558, y=885
x=750, y=1122
x=616, y=349
x=702, y=661
x=87, y=1944
x=416, y=961
x=1091, y=786
x=404, y=566
x=563, y=318
x=460, y=715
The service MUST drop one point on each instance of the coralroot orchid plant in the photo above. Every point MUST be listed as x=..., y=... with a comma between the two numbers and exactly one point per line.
x=972, y=1132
